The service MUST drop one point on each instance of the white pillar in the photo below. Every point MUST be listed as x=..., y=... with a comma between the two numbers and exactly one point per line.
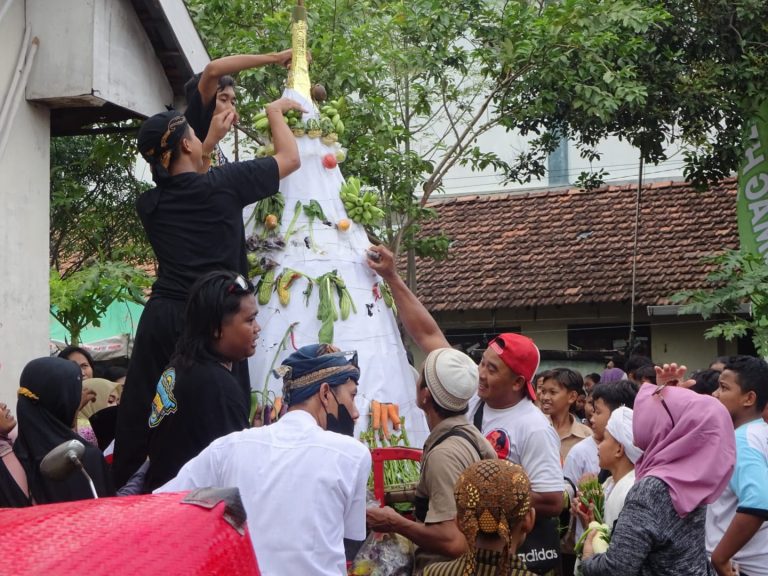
x=24, y=222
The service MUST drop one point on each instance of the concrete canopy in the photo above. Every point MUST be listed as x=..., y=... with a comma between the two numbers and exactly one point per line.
x=103, y=61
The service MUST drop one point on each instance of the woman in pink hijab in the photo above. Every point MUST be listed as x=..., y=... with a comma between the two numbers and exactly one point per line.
x=689, y=453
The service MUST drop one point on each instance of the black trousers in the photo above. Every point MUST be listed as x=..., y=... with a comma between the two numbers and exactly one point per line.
x=156, y=335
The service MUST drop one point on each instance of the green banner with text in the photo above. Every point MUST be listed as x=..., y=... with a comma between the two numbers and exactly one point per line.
x=752, y=204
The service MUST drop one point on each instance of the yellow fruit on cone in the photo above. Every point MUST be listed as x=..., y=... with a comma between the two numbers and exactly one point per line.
x=270, y=221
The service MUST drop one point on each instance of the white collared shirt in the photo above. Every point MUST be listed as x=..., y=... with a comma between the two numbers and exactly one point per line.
x=303, y=488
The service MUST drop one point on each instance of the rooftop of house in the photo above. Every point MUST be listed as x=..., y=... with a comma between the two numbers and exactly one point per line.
x=573, y=246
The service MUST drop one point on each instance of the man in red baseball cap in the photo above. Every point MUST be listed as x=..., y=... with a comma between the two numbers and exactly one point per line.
x=521, y=356
x=503, y=411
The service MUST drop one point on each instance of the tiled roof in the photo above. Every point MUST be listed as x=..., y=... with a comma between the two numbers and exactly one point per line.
x=570, y=246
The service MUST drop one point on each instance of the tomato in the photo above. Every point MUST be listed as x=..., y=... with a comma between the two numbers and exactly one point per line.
x=329, y=161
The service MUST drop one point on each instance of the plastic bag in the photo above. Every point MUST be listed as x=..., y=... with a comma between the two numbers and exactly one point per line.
x=384, y=555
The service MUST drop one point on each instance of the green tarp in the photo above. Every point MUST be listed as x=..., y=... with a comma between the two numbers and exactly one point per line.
x=113, y=338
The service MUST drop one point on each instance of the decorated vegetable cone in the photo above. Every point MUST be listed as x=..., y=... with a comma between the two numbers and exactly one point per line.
x=321, y=238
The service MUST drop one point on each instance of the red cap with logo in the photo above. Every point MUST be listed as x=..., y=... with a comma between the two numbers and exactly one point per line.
x=520, y=355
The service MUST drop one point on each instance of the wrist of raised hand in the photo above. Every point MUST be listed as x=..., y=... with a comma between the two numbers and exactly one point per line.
x=208, y=148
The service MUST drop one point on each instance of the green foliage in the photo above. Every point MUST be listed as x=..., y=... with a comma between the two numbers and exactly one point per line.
x=426, y=78
x=82, y=297
x=737, y=278
x=93, y=192
x=691, y=74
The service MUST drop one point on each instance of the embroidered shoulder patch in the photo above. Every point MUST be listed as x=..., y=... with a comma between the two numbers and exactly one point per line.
x=164, y=403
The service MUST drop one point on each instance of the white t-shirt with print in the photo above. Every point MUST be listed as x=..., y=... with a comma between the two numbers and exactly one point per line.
x=522, y=434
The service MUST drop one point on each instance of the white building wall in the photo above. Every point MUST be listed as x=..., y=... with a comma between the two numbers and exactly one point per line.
x=24, y=221
x=618, y=158
x=681, y=339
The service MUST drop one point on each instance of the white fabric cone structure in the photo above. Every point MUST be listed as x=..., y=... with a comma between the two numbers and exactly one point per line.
x=386, y=375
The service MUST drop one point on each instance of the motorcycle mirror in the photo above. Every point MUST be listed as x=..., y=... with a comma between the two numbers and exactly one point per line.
x=64, y=459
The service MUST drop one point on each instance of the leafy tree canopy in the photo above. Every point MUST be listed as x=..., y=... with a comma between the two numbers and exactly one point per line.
x=428, y=77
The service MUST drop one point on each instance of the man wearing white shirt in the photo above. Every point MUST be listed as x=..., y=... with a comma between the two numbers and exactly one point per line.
x=303, y=479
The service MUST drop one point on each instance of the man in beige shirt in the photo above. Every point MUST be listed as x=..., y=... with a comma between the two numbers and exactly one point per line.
x=447, y=382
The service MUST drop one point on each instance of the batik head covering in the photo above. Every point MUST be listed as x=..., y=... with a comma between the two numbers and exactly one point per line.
x=687, y=441
x=158, y=138
x=305, y=370
x=492, y=496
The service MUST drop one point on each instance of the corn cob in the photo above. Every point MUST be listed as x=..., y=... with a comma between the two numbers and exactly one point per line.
x=265, y=287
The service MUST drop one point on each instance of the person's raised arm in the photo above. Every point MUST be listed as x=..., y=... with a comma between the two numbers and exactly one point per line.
x=228, y=65
x=286, y=150
x=416, y=319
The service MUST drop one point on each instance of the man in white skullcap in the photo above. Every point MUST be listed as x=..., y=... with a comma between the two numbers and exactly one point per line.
x=447, y=381
x=617, y=454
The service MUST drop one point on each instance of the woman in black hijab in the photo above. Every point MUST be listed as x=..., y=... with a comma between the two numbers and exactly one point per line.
x=14, y=492
x=49, y=397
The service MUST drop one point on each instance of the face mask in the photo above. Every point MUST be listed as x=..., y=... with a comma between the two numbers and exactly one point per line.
x=344, y=424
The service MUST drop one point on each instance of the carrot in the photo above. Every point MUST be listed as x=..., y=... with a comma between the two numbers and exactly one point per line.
x=376, y=414
x=394, y=415
x=278, y=407
x=384, y=419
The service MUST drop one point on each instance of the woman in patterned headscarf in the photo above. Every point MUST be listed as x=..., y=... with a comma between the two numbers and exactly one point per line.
x=494, y=512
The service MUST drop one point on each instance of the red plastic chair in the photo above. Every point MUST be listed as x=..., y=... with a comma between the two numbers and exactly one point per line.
x=381, y=455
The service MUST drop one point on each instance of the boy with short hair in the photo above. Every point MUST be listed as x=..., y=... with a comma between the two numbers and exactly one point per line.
x=559, y=393
x=736, y=530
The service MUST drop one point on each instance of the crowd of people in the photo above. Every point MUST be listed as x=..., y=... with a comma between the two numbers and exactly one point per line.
x=683, y=463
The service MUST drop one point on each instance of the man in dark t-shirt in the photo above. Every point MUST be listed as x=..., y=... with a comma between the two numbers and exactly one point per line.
x=206, y=405
x=197, y=399
x=193, y=219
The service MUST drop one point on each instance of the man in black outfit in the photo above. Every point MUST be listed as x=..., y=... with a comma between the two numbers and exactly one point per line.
x=193, y=219
x=197, y=399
